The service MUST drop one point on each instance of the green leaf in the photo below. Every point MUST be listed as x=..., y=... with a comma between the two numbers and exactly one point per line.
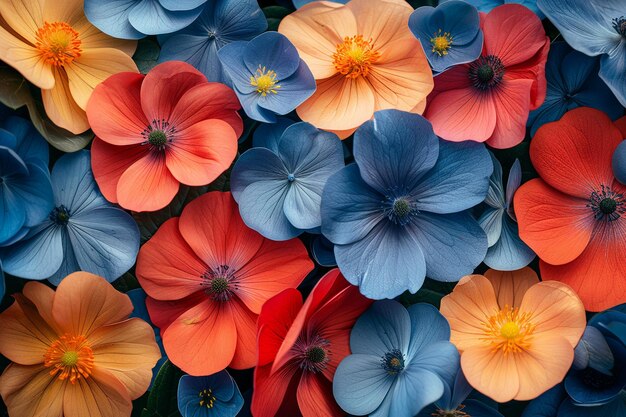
x=431, y=292
x=162, y=401
x=146, y=55
x=274, y=14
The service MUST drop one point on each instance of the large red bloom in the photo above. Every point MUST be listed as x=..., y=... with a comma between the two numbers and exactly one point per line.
x=574, y=217
x=490, y=98
x=156, y=131
x=207, y=275
x=300, y=347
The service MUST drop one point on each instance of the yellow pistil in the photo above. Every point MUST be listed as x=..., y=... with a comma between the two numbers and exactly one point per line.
x=69, y=357
x=441, y=42
x=58, y=43
x=207, y=399
x=265, y=81
x=509, y=330
x=354, y=57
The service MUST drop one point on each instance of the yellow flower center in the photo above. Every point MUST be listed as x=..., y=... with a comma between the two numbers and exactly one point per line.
x=441, y=42
x=69, y=357
x=354, y=57
x=58, y=43
x=207, y=399
x=509, y=330
x=265, y=81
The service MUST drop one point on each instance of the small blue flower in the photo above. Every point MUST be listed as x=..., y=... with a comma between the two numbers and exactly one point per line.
x=399, y=362
x=485, y=6
x=221, y=22
x=594, y=28
x=400, y=213
x=268, y=75
x=506, y=250
x=449, y=33
x=134, y=19
x=82, y=232
x=216, y=395
x=279, y=188
x=573, y=82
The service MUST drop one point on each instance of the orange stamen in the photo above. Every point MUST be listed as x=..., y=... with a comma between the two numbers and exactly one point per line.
x=58, y=43
x=70, y=357
x=355, y=56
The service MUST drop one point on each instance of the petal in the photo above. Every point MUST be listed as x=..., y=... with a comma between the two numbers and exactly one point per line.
x=491, y=222
x=385, y=326
x=26, y=59
x=112, y=17
x=102, y=395
x=69, y=264
x=382, y=21
x=428, y=327
x=492, y=372
x=245, y=322
x=25, y=17
x=274, y=392
x=151, y=18
x=512, y=104
x=195, y=49
x=612, y=70
x=277, y=315
x=255, y=165
x=35, y=192
x=293, y=91
x=511, y=286
x=61, y=107
x=404, y=402
x=509, y=252
x=28, y=391
x=315, y=397
x=38, y=256
x=163, y=313
x=272, y=50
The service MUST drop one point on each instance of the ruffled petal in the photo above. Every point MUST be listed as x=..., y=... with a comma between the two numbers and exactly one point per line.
x=112, y=17
x=61, y=107
x=510, y=286
x=151, y=18
x=38, y=255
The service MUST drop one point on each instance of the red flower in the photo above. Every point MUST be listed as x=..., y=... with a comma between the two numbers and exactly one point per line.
x=207, y=275
x=300, y=347
x=156, y=131
x=490, y=98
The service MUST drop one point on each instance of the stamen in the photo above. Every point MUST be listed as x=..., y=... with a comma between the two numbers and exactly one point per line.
x=619, y=24
x=70, y=357
x=313, y=355
x=60, y=215
x=451, y=413
x=354, y=57
x=607, y=204
x=399, y=209
x=441, y=42
x=508, y=330
x=393, y=362
x=158, y=134
x=220, y=283
x=265, y=81
x=486, y=72
x=58, y=43
x=207, y=398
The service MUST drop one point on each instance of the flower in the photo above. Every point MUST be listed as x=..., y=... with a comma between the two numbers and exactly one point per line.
x=506, y=250
x=399, y=362
x=556, y=403
x=363, y=57
x=74, y=352
x=618, y=161
x=53, y=46
x=134, y=19
x=450, y=33
x=486, y=6
x=594, y=28
x=400, y=213
x=216, y=396
x=279, y=191
x=267, y=135
x=207, y=275
x=268, y=75
x=221, y=22
x=516, y=335
x=159, y=130
x=572, y=82
x=573, y=216
x=300, y=346
x=489, y=99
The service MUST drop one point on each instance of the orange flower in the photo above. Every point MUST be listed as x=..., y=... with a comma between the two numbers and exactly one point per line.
x=364, y=59
x=75, y=353
x=54, y=46
x=516, y=335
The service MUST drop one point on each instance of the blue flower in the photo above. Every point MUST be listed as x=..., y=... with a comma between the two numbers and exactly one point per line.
x=267, y=135
x=134, y=19
x=619, y=162
x=400, y=213
x=82, y=232
x=216, y=395
x=573, y=82
x=506, y=250
x=485, y=6
x=399, y=362
x=221, y=22
x=323, y=251
x=449, y=33
x=268, y=75
x=594, y=28
x=279, y=189
x=556, y=403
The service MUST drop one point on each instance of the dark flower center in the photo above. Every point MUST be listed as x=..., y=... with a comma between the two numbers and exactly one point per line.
x=60, y=215
x=313, y=354
x=607, y=204
x=451, y=413
x=157, y=138
x=220, y=283
x=486, y=72
x=207, y=399
x=158, y=134
x=393, y=362
x=596, y=379
x=399, y=209
x=291, y=177
x=619, y=24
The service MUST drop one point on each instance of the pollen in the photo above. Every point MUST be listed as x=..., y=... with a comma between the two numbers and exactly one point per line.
x=441, y=42
x=207, y=398
x=69, y=357
x=264, y=81
x=355, y=56
x=58, y=43
x=509, y=330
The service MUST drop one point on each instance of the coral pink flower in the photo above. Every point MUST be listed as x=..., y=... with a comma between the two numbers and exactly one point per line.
x=300, y=347
x=207, y=275
x=156, y=131
x=490, y=98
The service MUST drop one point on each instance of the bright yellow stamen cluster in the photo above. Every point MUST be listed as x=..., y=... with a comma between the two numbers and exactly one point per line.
x=69, y=357
x=207, y=399
x=265, y=81
x=58, y=43
x=509, y=330
x=441, y=42
x=355, y=56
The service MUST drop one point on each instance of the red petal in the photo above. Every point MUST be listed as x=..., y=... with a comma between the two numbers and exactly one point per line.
x=315, y=397
x=245, y=322
x=534, y=69
x=512, y=103
x=163, y=313
x=277, y=316
x=274, y=394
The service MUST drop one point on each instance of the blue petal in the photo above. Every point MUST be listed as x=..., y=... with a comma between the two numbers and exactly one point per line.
x=415, y=388
x=231, y=57
x=595, y=93
x=452, y=244
x=150, y=18
x=459, y=54
x=2, y=283
x=267, y=135
x=616, y=408
x=11, y=164
x=111, y=17
x=495, y=195
x=38, y=256
x=30, y=145
x=594, y=351
x=547, y=404
x=613, y=72
x=460, y=389
x=385, y=326
x=69, y=264
x=513, y=183
x=250, y=104
x=611, y=322
x=477, y=409
x=254, y=165
x=323, y=251
x=293, y=91
x=360, y=384
x=428, y=326
x=181, y=5
x=8, y=139
x=576, y=67
x=491, y=222
x=35, y=191
x=394, y=150
x=458, y=181
x=461, y=20
x=228, y=397
x=484, y=6
x=619, y=163
x=12, y=214
x=441, y=358
x=199, y=51
x=552, y=109
x=274, y=52
x=510, y=252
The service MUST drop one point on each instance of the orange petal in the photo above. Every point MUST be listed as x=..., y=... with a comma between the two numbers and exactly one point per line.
x=23, y=16
x=556, y=226
x=42, y=297
x=315, y=397
x=510, y=286
x=83, y=302
x=491, y=372
x=274, y=392
x=61, y=107
x=467, y=308
x=101, y=395
x=245, y=322
x=382, y=20
x=69, y=11
x=26, y=59
x=512, y=104
x=30, y=391
x=163, y=313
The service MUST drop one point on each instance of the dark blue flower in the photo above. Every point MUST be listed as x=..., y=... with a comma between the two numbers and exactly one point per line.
x=449, y=33
x=268, y=75
x=323, y=251
x=485, y=6
x=573, y=82
x=594, y=28
x=556, y=403
x=216, y=395
x=221, y=22
x=399, y=362
x=82, y=232
x=400, y=213
x=134, y=19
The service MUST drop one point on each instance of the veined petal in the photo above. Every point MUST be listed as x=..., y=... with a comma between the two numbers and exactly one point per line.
x=112, y=17
x=61, y=107
x=26, y=59
x=385, y=326
x=510, y=286
x=38, y=255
